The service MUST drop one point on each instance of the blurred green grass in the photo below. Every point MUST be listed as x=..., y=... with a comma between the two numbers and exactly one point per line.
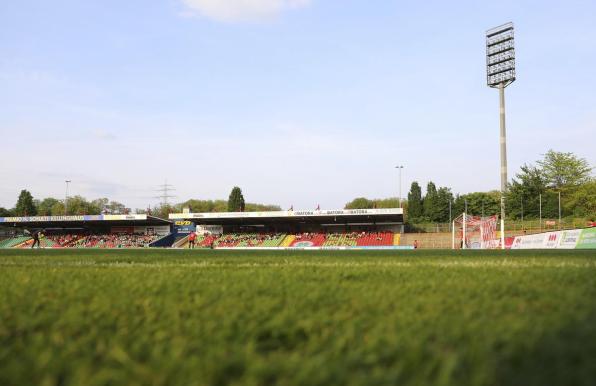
x=179, y=317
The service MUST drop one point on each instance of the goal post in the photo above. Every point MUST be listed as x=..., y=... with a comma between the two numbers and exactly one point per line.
x=474, y=232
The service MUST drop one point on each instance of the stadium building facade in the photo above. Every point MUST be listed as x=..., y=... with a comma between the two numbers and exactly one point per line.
x=101, y=231
x=290, y=221
x=379, y=228
x=281, y=229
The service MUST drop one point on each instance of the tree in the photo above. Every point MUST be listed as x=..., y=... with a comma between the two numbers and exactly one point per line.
x=392, y=202
x=44, y=208
x=582, y=202
x=251, y=207
x=25, y=205
x=564, y=170
x=98, y=205
x=115, y=207
x=58, y=209
x=441, y=212
x=78, y=205
x=205, y=206
x=429, y=202
x=415, y=209
x=236, y=200
x=478, y=203
x=163, y=211
x=360, y=203
x=5, y=212
x=525, y=192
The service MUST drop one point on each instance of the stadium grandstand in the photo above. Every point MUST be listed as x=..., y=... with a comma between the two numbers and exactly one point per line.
x=85, y=231
x=350, y=228
x=316, y=229
x=343, y=228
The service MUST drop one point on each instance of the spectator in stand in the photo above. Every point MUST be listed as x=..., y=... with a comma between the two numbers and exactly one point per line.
x=415, y=244
x=191, y=240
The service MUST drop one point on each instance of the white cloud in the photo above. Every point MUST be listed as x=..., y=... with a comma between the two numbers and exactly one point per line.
x=240, y=10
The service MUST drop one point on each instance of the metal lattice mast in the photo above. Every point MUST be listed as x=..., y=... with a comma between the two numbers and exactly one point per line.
x=165, y=195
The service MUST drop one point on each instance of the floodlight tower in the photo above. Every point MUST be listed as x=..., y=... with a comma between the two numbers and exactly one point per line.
x=500, y=73
x=399, y=167
x=66, y=197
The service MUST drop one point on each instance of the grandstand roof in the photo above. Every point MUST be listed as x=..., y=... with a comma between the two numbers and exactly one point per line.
x=338, y=216
x=82, y=220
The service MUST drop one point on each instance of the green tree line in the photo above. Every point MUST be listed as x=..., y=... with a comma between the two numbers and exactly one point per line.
x=27, y=205
x=535, y=189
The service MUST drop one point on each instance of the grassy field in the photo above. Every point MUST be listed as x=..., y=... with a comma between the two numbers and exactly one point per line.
x=177, y=317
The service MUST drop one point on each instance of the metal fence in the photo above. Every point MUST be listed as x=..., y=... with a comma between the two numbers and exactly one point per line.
x=528, y=226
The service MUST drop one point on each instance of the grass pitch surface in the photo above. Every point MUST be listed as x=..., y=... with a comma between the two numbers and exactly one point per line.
x=177, y=317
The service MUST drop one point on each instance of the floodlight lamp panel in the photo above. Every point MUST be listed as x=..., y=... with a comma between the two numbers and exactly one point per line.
x=499, y=30
x=500, y=55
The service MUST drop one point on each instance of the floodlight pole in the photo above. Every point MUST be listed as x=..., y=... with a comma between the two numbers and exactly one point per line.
x=464, y=233
x=452, y=224
x=503, y=142
x=540, y=209
x=66, y=197
x=399, y=167
x=560, y=210
x=500, y=72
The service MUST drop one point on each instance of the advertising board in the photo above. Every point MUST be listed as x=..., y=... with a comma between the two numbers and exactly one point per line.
x=160, y=230
x=528, y=242
x=183, y=226
x=551, y=240
x=587, y=239
x=209, y=229
x=568, y=239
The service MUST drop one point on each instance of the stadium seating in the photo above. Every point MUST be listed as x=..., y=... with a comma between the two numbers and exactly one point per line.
x=351, y=239
x=44, y=243
x=308, y=240
x=228, y=240
x=63, y=241
x=287, y=241
x=113, y=241
x=250, y=240
x=206, y=241
x=340, y=239
x=13, y=242
x=375, y=239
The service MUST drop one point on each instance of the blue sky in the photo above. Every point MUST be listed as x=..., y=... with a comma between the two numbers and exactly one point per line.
x=296, y=101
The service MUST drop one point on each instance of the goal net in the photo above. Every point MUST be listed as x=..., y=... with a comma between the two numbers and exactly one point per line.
x=474, y=232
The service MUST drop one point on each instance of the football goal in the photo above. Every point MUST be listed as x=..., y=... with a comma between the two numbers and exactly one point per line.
x=474, y=232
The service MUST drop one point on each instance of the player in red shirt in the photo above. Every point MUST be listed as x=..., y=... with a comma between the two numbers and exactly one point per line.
x=191, y=240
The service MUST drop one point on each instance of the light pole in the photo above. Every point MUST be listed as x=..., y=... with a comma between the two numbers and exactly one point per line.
x=500, y=72
x=540, y=210
x=521, y=201
x=399, y=167
x=66, y=198
x=560, y=210
x=450, y=225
